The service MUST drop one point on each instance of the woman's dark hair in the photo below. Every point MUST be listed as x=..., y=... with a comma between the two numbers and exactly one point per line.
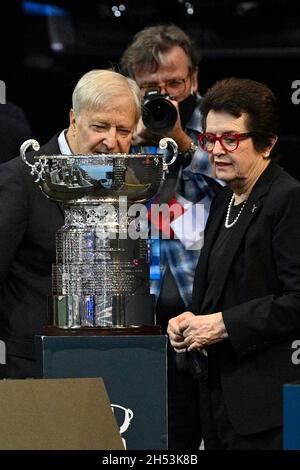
x=238, y=95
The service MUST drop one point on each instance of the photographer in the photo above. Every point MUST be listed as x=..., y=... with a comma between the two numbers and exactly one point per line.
x=164, y=63
x=163, y=59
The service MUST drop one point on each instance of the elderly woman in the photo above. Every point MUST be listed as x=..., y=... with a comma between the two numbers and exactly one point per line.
x=246, y=297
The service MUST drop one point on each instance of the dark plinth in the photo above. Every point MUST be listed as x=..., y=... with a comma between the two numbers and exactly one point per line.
x=133, y=367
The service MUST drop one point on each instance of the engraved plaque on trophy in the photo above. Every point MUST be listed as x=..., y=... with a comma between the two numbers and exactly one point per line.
x=101, y=274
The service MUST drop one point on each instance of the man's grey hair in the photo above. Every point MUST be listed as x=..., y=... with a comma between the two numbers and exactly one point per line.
x=97, y=87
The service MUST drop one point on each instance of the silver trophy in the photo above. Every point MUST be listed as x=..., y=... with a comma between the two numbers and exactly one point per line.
x=101, y=274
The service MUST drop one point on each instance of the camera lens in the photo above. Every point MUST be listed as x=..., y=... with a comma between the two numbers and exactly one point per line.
x=159, y=114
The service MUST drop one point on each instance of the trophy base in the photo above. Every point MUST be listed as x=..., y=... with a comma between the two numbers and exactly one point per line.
x=50, y=330
x=74, y=311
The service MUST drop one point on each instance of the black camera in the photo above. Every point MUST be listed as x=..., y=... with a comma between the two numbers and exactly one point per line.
x=158, y=113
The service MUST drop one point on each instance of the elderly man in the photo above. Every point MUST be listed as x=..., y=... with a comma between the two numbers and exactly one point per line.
x=105, y=112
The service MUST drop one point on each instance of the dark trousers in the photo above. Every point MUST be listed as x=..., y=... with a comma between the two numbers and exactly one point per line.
x=218, y=432
x=184, y=430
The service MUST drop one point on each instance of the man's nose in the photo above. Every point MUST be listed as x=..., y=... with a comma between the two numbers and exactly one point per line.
x=111, y=139
x=162, y=89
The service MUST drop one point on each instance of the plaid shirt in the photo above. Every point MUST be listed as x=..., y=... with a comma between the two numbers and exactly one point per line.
x=182, y=262
x=200, y=162
x=192, y=187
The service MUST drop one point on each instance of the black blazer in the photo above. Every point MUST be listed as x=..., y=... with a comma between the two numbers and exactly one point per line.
x=14, y=129
x=258, y=291
x=28, y=222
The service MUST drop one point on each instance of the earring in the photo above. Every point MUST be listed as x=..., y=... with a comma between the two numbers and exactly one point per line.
x=266, y=155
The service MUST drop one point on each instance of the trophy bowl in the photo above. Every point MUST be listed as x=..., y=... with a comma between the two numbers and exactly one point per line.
x=99, y=177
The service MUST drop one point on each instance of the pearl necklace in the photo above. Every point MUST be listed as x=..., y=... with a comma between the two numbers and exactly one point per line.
x=227, y=224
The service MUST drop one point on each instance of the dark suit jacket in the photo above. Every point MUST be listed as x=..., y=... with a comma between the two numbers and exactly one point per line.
x=14, y=129
x=28, y=222
x=258, y=291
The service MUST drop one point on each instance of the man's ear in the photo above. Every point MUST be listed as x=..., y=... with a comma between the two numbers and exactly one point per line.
x=194, y=81
x=72, y=117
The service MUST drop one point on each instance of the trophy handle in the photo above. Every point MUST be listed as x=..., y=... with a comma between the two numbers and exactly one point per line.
x=163, y=144
x=38, y=167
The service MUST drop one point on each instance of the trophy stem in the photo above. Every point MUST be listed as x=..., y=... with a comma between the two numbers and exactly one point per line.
x=100, y=277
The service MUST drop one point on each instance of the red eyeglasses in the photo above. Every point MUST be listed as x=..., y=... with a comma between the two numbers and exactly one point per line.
x=228, y=141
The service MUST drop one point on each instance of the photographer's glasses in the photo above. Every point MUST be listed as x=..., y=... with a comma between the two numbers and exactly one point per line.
x=228, y=141
x=174, y=87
